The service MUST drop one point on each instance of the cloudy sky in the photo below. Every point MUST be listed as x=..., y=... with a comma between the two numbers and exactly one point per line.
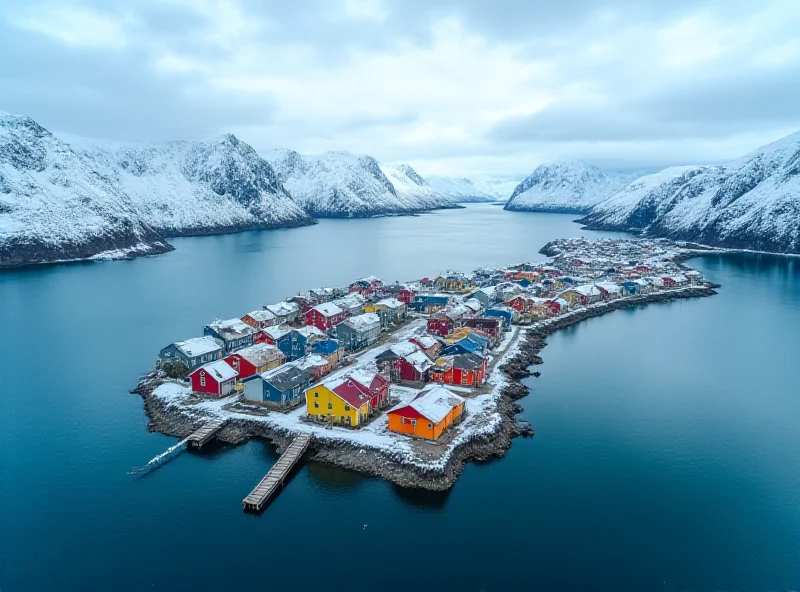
x=468, y=87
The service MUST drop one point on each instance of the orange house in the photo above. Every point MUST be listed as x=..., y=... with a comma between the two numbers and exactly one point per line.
x=432, y=412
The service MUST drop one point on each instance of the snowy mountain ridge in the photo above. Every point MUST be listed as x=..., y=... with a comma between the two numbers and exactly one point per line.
x=568, y=187
x=345, y=185
x=55, y=206
x=752, y=202
x=197, y=187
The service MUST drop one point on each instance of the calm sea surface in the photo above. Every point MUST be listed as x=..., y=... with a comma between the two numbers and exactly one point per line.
x=666, y=456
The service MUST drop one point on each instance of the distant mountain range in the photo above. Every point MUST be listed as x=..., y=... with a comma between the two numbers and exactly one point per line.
x=571, y=187
x=752, y=202
x=76, y=199
x=462, y=190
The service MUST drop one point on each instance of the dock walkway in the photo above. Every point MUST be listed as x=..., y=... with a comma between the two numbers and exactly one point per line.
x=276, y=475
x=202, y=435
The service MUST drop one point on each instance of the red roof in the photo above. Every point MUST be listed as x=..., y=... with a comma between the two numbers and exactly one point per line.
x=352, y=393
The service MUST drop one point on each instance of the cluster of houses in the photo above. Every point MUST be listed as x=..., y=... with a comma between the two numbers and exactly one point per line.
x=284, y=355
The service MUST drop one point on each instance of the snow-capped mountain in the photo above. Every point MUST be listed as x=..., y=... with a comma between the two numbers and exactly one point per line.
x=197, y=187
x=752, y=202
x=55, y=206
x=413, y=190
x=571, y=187
x=344, y=185
x=462, y=190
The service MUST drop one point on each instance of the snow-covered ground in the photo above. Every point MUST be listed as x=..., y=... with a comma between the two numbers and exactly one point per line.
x=482, y=416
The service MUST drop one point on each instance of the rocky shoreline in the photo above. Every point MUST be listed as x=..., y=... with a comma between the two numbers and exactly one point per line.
x=395, y=468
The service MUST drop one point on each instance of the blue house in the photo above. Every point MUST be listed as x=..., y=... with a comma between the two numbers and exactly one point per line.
x=192, y=352
x=462, y=346
x=282, y=386
x=501, y=313
x=524, y=282
x=631, y=287
x=295, y=343
x=428, y=303
x=326, y=347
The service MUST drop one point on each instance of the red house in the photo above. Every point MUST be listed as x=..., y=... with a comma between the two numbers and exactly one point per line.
x=554, y=306
x=462, y=369
x=404, y=361
x=669, y=282
x=375, y=385
x=492, y=326
x=255, y=359
x=440, y=325
x=216, y=378
x=324, y=316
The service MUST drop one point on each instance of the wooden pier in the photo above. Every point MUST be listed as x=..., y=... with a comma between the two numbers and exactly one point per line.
x=202, y=435
x=276, y=475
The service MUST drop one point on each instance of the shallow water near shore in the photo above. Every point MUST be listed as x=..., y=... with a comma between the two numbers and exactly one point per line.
x=666, y=455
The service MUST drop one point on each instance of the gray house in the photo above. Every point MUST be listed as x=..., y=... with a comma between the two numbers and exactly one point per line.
x=359, y=331
x=192, y=352
x=233, y=334
x=282, y=386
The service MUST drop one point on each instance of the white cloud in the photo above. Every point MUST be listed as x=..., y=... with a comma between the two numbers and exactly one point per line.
x=74, y=26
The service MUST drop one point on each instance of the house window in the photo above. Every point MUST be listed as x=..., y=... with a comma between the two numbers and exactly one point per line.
x=430, y=426
x=202, y=379
x=316, y=405
x=330, y=405
x=347, y=407
x=316, y=395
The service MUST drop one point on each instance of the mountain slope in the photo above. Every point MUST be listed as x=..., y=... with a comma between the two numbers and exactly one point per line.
x=569, y=187
x=414, y=191
x=55, y=206
x=343, y=185
x=197, y=187
x=752, y=202
x=472, y=191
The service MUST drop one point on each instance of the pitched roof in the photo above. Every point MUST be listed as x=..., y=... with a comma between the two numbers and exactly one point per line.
x=286, y=377
x=260, y=354
x=391, y=303
x=350, y=391
x=263, y=315
x=277, y=331
x=282, y=309
x=326, y=346
x=218, y=370
x=364, y=322
x=467, y=361
x=433, y=402
x=231, y=328
x=198, y=346
x=329, y=309
x=426, y=341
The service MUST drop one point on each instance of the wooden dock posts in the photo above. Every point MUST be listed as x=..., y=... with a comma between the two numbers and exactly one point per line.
x=276, y=475
x=202, y=435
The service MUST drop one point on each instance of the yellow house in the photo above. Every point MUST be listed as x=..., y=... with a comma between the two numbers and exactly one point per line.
x=341, y=401
x=571, y=296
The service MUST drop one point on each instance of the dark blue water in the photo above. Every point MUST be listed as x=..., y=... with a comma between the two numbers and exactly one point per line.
x=666, y=456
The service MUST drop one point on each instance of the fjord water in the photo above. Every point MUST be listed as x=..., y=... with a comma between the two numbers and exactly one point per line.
x=666, y=456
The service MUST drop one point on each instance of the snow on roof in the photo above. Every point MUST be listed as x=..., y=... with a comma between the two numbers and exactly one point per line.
x=364, y=377
x=419, y=360
x=391, y=303
x=610, y=286
x=433, y=403
x=473, y=304
x=219, y=370
x=286, y=377
x=282, y=309
x=404, y=348
x=329, y=309
x=261, y=315
x=198, y=346
x=314, y=360
x=277, y=331
x=426, y=341
x=587, y=290
x=232, y=327
x=260, y=353
x=364, y=321
x=310, y=331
